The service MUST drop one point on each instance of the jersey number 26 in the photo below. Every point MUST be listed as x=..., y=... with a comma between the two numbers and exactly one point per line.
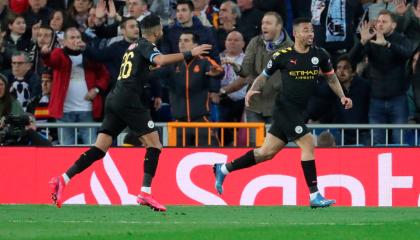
x=126, y=66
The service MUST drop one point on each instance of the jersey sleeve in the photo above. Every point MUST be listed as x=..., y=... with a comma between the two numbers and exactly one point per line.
x=148, y=50
x=325, y=62
x=273, y=65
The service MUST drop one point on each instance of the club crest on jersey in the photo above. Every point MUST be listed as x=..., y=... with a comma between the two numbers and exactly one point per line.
x=315, y=60
x=298, y=129
x=132, y=46
x=270, y=64
x=151, y=124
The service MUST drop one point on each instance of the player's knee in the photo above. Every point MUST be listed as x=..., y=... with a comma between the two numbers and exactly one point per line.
x=156, y=145
x=264, y=154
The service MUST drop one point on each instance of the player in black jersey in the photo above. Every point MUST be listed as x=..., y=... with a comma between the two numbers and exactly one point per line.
x=124, y=107
x=301, y=67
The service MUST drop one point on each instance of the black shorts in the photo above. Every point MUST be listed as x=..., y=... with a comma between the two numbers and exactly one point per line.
x=288, y=124
x=117, y=117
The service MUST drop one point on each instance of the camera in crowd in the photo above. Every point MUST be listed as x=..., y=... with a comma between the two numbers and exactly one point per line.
x=12, y=130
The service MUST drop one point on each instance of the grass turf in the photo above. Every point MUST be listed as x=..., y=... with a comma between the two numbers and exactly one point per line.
x=206, y=222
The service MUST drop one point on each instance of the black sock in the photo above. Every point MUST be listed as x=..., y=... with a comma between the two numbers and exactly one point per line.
x=85, y=160
x=150, y=164
x=244, y=161
x=309, y=170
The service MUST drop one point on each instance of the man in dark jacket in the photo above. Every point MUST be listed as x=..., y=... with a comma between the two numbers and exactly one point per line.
x=388, y=52
x=187, y=22
x=191, y=86
x=37, y=11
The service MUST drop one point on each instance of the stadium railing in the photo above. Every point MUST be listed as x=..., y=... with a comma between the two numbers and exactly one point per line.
x=173, y=133
x=409, y=133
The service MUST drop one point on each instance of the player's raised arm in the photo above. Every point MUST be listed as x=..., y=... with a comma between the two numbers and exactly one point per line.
x=256, y=87
x=338, y=90
x=177, y=57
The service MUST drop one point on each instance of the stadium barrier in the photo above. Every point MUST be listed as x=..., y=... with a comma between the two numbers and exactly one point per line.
x=409, y=133
x=354, y=177
x=174, y=126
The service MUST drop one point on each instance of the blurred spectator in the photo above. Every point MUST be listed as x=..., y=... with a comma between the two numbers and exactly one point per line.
x=207, y=14
x=257, y=55
x=229, y=13
x=15, y=39
x=8, y=104
x=409, y=21
x=379, y=5
x=326, y=139
x=45, y=37
x=78, y=84
x=24, y=83
x=38, y=106
x=328, y=108
x=232, y=101
x=250, y=20
x=58, y=22
x=164, y=9
x=357, y=89
x=18, y=6
x=335, y=23
x=5, y=14
x=191, y=83
x=38, y=12
x=287, y=9
x=137, y=9
x=79, y=13
x=388, y=52
x=187, y=22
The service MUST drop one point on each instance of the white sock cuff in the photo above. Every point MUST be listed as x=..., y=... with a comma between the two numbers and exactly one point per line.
x=146, y=190
x=224, y=169
x=313, y=195
x=66, y=178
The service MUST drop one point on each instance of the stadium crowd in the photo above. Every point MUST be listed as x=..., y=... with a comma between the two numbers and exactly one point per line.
x=77, y=48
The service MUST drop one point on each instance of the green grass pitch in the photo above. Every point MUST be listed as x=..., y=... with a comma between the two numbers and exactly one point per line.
x=207, y=222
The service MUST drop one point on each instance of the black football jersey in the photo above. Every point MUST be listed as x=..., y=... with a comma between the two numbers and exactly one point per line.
x=300, y=72
x=134, y=73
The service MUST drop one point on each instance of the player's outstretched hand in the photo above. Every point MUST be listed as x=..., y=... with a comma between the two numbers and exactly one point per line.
x=202, y=49
x=248, y=96
x=347, y=103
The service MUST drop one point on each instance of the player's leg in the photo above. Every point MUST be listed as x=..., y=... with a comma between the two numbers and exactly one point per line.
x=94, y=153
x=111, y=126
x=306, y=143
x=151, y=159
x=271, y=146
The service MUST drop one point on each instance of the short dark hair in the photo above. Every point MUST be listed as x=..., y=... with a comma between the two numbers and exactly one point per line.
x=195, y=38
x=188, y=2
x=390, y=14
x=346, y=57
x=326, y=139
x=124, y=21
x=298, y=21
x=70, y=29
x=276, y=15
x=11, y=18
x=149, y=22
x=45, y=26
